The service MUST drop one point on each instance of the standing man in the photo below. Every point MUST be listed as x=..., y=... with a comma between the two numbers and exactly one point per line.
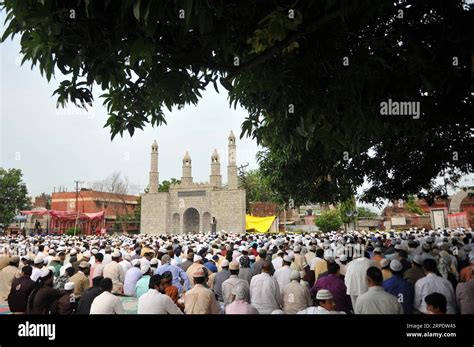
x=200, y=300
x=214, y=225
x=376, y=300
x=355, y=279
x=399, y=287
x=432, y=283
x=265, y=293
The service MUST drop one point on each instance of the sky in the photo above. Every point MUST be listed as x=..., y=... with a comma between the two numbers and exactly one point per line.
x=54, y=147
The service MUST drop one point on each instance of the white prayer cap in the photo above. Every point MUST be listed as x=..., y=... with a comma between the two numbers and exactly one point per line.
x=384, y=263
x=342, y=257
x=145, y=268
x=39, y=259
x=127, y=257
x=86, y=254
x=51, y=252
x=69, y=286
x=395, y=265
x=297, y=248
x=83, y=249
x=295, y=275
x=278, y=312
x=135, y=262
x=154, y=261
x=197, y=258
x=209, y=256
x=73, y=251
x=287, y=258
x=94, y=251
x=45, y=273
x=418, y=259
x=323, y=294
x=225, y=263
x=116, y=254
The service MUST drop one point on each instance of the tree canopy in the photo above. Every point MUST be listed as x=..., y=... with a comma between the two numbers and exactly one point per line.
x=13, y=194
x=312, y=76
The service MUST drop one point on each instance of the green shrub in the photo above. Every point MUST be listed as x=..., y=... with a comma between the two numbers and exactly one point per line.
x=329, y=220
x=70, y=231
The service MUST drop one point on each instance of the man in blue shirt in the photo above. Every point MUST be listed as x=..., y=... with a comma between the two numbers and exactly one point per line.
x=178, y=273
x=399, y=287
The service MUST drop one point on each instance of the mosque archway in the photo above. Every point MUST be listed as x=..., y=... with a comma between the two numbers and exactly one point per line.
x=191, y=220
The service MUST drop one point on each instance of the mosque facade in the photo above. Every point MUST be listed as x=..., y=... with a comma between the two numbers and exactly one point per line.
x=189, y=207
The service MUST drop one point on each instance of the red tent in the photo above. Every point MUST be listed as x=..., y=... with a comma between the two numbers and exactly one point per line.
x=63, y=220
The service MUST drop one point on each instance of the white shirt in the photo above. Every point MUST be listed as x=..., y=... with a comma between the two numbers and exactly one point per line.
x=126, y=265
x=153, y=302
x=377, y=301
x=277, y=262
x=283, y=277
x=265, y=293
x=107, y=303
x=115, y=272
x=318, y=310
x=432, y=283
x=355, y=278
x=35, y=274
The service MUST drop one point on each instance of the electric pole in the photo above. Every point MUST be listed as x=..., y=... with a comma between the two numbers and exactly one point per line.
x=77, y=210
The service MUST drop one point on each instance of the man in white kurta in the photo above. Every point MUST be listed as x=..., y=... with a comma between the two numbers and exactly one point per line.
x=114, y=271
x=265, y=292
x=376, y=300
x=107, y=303
x=433, y=283
x=153, y=302
x=234, y=280
x=355, y=279
x=283, y=275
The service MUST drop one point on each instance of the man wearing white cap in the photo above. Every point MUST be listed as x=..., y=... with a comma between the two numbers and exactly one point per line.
x=7, y=274
x=80, y=279
x=200, y=300
x=66, y=304
x=131, y=278
x=399, y=287
x=325, y=304
x=283, y=275
x=296, y=296
x=413, y=274
x=298, y=260
x=114, y=271
x=196, y=265
x=38, y=264
x=177, y=273
x=220, y=278
x=126, y=263
x=234, y=280
x=376, y=300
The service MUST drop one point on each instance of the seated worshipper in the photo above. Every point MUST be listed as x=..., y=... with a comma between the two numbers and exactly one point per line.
x=81, y=282
x=232, y=281
x=178, y=274
x=167, y=286
x=20, y=291
x=97, y=269
x=376, y=300
x=239, y=304
x=220, y=277
x=200, y=300
x=436, y=303
x=283, y=274
x=131, y=278
x=336, y=286
x=296, y=296
x=115, y=272
x=265, y=293
x=245, y=271
x=44, y=295
x=106, y=302
x=432, y=283
x=399, y=287
x=66, y=304
x=143, y=283
x=154, y=302
x=64, y=278
x=84, y=306
x=324, y=304
x=467, y=271
x=416, y=272
x=7, y=274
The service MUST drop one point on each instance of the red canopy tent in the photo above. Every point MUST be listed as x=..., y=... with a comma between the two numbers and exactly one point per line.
x=63, y=220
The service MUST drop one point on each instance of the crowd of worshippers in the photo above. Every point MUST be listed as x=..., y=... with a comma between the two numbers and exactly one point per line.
x=355, y=272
